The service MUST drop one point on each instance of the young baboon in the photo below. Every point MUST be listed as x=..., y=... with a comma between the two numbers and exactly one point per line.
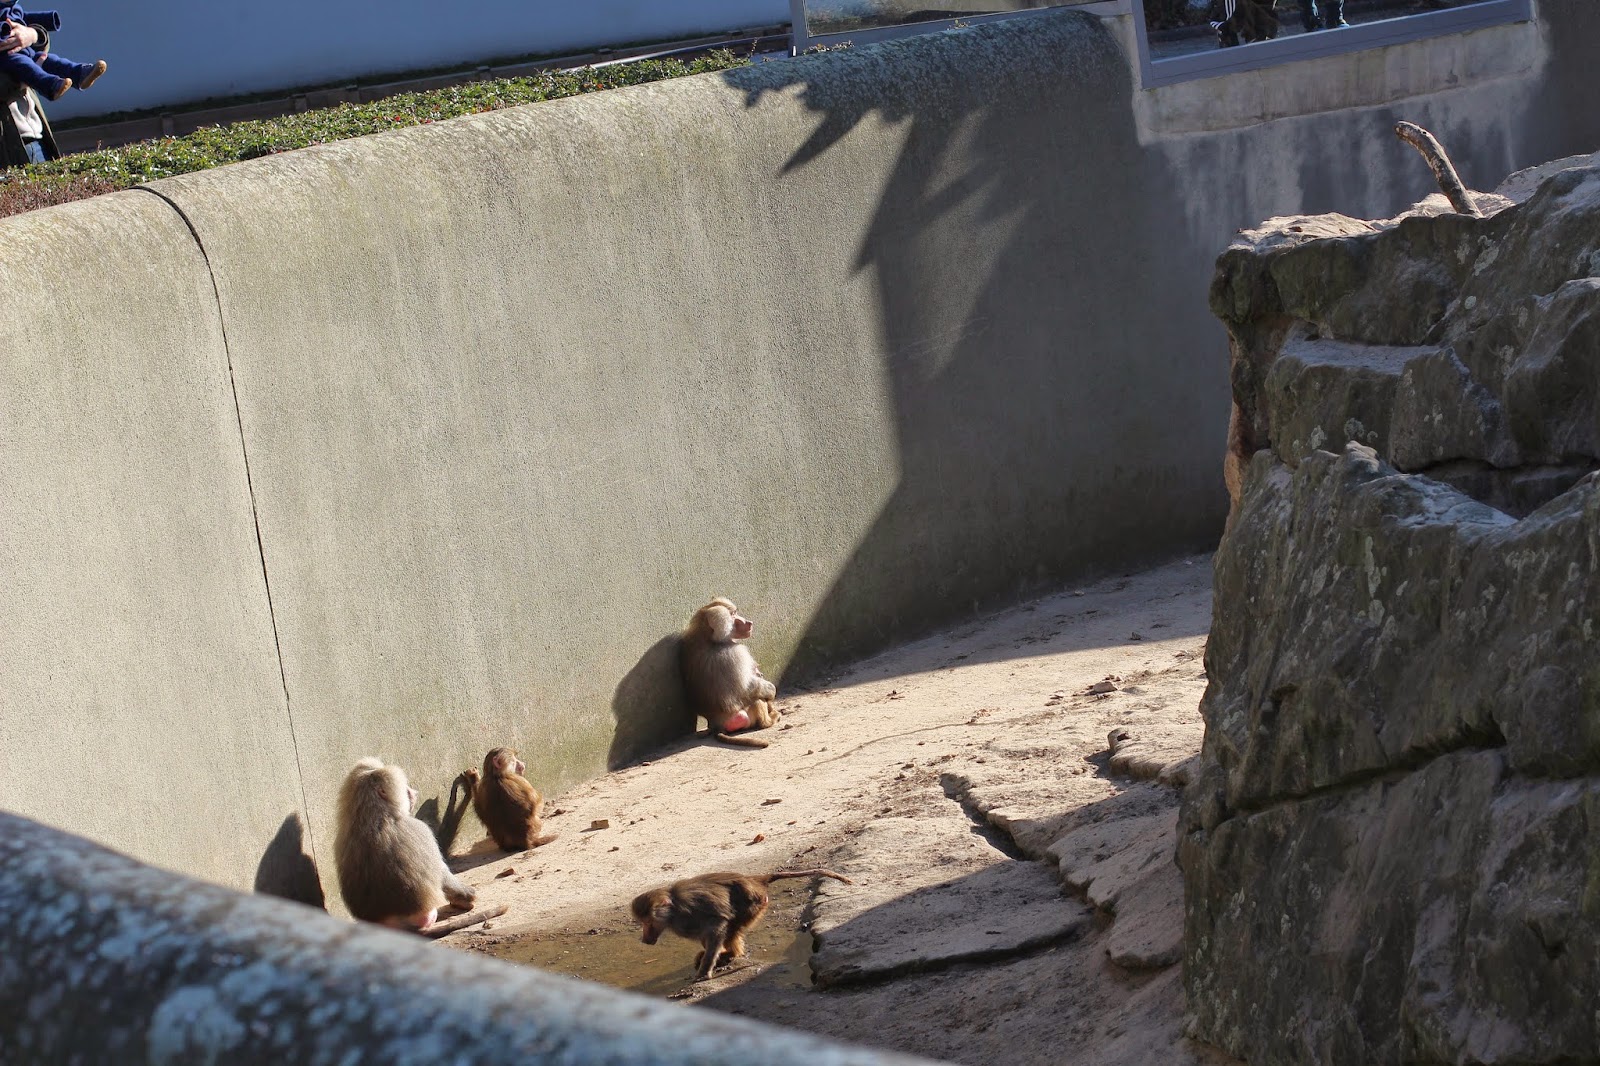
x=390, y=868
x=507, y=805
x=723, y=681
x=715, y=909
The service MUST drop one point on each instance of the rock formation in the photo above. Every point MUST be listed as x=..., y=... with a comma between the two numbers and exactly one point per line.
x=1391, y=845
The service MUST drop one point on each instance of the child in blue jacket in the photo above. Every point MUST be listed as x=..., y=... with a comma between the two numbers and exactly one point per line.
x=45, y=73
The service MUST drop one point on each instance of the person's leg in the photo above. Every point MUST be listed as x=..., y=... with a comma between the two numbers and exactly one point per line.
x=83, y=75
x=34, y=151
x=1333, y=14
x=20, y=66
x=1309, y=17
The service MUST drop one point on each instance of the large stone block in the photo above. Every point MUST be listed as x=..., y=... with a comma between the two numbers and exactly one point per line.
x=1387, y=844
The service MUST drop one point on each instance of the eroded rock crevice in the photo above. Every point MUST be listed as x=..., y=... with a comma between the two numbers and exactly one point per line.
x=1387, y=843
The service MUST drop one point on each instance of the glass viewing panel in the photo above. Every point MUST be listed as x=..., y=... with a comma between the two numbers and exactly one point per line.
x=851, y=18
x=1178, y=28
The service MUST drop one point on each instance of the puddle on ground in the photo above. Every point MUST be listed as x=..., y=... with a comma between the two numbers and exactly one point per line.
x=610, y=952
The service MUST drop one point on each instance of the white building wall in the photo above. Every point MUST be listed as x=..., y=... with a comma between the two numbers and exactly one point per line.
x=181, y=51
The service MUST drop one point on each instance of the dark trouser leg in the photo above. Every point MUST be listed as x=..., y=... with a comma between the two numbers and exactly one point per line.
x=1333, y=14
x=65, y=68
x=22, y=67
x=1308, y=15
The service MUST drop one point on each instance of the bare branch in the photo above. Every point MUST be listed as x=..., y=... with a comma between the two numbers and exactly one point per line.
x=1444, y=172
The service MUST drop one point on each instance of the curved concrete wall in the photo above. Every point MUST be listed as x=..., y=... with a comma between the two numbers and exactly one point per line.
x=141, y=682
x=868, y=340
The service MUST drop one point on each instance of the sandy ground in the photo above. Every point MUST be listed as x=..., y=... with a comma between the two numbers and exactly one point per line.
x=1015, y=893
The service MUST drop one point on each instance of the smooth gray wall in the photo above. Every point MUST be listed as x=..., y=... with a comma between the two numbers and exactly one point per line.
x=140, y=694
x=869, y=341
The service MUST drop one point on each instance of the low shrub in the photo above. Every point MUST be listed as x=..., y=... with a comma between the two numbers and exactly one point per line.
x=85, y=174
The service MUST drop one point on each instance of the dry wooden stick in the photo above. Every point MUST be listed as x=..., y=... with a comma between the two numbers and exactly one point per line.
x=463, y=921
x=1444, y=172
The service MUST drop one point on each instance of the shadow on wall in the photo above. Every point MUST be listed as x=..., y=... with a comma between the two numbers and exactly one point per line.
x=446, y=826
x=1017, y=246
x=649, y=706
x=287, y=870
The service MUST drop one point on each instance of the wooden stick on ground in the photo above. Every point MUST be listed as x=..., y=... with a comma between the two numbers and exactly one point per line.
x=463, y=921
x=1444, y=172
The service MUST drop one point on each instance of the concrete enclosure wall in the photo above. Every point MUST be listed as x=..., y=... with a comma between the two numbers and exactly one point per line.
x=184, y=51
x=429, y=441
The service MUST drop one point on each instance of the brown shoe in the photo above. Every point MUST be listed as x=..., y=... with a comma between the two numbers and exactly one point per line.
x=93, y=76
x=66, y=83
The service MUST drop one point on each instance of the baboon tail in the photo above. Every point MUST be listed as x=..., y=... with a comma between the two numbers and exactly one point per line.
x=742, y=740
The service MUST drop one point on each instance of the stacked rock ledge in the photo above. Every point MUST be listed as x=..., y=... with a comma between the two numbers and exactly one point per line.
x=1389, y=843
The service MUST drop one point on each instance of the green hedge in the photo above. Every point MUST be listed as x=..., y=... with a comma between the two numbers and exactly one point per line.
x=74, y=177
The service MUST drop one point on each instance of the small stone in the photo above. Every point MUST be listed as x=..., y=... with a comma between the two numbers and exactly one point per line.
x=600, y=823
x=1100, y=688
x=770, y=802
x=507, y=872
x=1135, y=636
x=758, y=838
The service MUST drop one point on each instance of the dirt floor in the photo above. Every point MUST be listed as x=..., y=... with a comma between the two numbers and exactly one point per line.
x=1001, y=794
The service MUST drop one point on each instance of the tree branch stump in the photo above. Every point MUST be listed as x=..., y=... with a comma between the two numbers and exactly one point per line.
x=1444, y=172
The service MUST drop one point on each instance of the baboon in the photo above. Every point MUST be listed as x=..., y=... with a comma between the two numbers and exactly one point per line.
x=723, y=681
x=715, y=909
x=390, y=868
x=507, y=805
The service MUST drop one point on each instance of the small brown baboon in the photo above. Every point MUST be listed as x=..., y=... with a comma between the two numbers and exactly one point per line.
x=390, y=868
x=724, y=683
x=507, y=805
x=715, y=909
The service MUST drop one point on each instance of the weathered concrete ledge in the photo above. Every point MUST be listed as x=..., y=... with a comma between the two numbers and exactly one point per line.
x=108, y=960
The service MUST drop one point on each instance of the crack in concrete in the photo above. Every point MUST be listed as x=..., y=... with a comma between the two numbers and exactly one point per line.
x=255, y=513
x=959, y=790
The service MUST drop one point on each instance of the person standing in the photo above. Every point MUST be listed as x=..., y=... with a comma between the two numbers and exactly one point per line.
x=1330, y=16
x=25, y=135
